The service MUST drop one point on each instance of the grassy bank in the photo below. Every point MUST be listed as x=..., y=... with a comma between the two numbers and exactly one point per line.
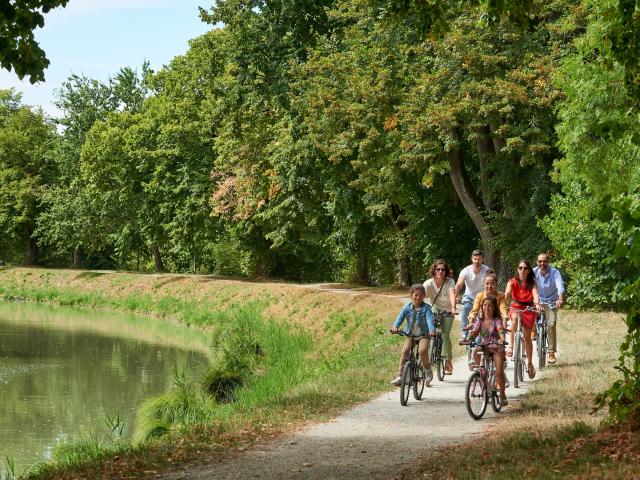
x=284, y=355
x=552, y=433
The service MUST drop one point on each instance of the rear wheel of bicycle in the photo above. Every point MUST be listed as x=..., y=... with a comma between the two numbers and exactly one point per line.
x=405, y=383
x=475, y=396
x=517, y=361
x=419, y=382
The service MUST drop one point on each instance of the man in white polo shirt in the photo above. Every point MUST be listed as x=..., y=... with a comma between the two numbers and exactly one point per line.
x=551, y=291
x=472, y=277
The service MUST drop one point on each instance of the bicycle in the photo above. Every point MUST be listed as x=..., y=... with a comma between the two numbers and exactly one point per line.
x=436, y=349
x=542, y=341
x=519, y=353
x=413, y=374
x=482, y=385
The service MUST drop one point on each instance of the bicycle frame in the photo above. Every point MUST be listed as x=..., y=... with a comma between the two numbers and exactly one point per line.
x=413, y=374
x=436, y=349
x=519, y=353
x=482, y=385
x=542, y=345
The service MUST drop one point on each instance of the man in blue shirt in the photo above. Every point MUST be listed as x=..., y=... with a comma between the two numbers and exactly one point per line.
x=551, y=291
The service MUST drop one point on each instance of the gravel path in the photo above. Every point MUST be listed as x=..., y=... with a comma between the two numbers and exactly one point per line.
x=371, y=441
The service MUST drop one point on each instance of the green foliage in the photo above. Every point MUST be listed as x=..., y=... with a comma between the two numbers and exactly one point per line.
x=18, y=48
x=600, y=174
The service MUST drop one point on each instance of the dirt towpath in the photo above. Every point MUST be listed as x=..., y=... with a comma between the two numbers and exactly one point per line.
x=374, y=440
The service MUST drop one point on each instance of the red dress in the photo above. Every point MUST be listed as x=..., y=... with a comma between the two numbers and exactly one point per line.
x=522, y=298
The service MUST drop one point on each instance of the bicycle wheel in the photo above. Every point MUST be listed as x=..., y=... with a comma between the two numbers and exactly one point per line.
x=419, y=382
x=541, y=343
x=475, y=396
x=405, y=383
x=439, y=359
x=542, y=348
x=517, y=360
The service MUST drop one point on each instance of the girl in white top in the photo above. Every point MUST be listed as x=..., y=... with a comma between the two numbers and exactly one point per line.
x=440, y=294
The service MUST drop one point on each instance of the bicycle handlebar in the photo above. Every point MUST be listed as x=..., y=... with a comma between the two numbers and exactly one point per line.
x=410, y=335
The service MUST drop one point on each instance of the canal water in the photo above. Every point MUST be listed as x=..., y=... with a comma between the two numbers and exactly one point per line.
x=64, y=372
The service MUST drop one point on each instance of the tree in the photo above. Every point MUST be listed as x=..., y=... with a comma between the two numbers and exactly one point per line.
x=69, y=220
x=18, y=49
x=26, y=169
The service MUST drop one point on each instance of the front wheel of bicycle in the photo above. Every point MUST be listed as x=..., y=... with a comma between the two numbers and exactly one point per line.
x=405, y=383
x=475, y=396
x=419, y=382
x=517, y=361
x=495, y=402
x=439, y=359
x=541, y=345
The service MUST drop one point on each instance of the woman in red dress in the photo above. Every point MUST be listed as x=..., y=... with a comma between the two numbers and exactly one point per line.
x=522, y=292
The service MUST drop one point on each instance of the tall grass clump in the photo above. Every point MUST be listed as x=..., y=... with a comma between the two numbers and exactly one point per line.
x=254, y=361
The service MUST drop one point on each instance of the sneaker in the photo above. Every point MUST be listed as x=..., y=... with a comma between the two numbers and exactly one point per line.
x=396, y=381
x=428, y=376
x=552, y=358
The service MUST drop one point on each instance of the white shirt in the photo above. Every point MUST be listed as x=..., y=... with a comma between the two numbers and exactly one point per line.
x=473, y=282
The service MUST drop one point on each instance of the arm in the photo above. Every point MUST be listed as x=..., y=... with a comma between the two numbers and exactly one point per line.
x=536, y=297
x=429, y=315
x=459, y=285
x=476, y=306
x=507, y=293
x=452, y=298
x=399, y=320
x=560, y=286
x=502, y=305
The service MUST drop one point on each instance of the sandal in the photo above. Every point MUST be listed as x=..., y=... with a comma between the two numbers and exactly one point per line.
x=509, y=352
x=503, y=400
x=532, y=372
x=448, y=369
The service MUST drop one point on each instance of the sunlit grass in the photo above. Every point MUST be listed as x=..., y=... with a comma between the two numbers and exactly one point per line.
x=550, y=433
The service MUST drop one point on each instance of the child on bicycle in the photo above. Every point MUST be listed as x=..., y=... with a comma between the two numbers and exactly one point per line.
x=419, y=322
x=489, y=327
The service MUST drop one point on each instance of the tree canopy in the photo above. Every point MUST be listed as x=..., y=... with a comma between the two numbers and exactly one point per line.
x=18, y=49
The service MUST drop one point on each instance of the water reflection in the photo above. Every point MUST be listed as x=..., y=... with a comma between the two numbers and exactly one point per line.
x=63, y=372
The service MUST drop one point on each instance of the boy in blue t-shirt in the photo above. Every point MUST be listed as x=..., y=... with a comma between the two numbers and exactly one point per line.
x=419, y=322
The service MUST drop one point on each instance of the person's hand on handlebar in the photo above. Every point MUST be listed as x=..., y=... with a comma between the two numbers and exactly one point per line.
x=394, y=330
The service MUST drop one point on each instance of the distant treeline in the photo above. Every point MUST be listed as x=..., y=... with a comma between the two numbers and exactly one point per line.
x=319, y=140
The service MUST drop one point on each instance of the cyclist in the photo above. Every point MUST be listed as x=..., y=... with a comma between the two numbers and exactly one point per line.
x=489, y=327
x=472, y=278
x=551, y=291
x=490, y=288
x=522, y=292
x=441, y=295
x=419, y=322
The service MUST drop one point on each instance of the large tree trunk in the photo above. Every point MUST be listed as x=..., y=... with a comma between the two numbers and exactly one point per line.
x=77, y=257
x=157, y=258
x=403, y=255
x=33, y=255
x=485, y=150
x=471, y=203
